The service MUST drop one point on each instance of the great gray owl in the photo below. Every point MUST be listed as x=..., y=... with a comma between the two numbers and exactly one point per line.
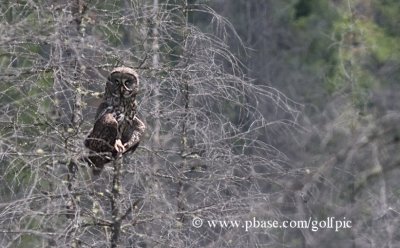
x=117, y=130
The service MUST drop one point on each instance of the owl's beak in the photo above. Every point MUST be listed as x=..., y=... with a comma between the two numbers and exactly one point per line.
x=125, y=91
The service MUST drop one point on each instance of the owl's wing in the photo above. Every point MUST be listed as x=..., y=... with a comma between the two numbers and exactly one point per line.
x=102, y=137
x=136, y=133
x=102, y=110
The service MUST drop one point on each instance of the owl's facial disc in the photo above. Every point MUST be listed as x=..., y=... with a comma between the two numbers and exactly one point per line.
x=124, y=84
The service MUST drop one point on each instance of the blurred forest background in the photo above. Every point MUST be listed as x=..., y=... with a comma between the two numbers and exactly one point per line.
x=279, y=110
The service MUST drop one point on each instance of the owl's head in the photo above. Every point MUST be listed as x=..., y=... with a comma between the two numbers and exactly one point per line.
x=123, y=82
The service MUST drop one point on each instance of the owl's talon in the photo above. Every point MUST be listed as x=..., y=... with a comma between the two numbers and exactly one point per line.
x=118, y=146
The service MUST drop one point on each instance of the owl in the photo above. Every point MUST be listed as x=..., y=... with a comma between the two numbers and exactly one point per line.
x=116, y=130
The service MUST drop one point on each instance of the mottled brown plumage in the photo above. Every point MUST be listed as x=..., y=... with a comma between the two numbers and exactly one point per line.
x=117, y=130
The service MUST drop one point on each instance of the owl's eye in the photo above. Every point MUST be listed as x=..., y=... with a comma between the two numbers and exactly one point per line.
x=116, y=81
